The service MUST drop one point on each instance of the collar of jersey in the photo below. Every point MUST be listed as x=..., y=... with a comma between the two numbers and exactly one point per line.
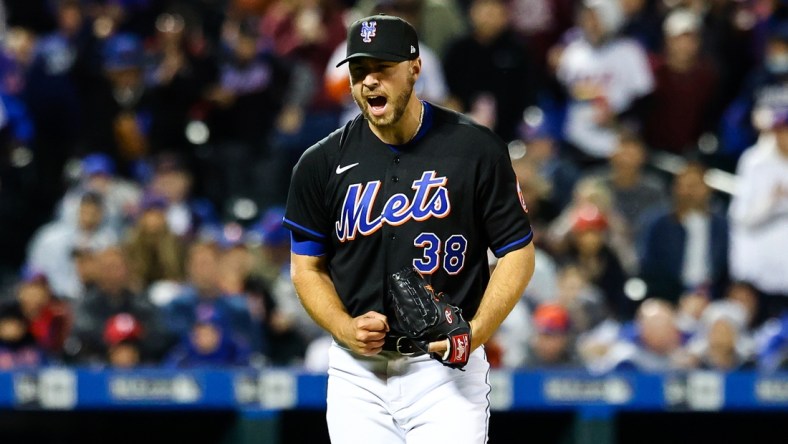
x=426, y=124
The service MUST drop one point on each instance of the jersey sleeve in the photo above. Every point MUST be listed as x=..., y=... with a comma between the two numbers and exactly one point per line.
x=504, y=212
x=306, y=213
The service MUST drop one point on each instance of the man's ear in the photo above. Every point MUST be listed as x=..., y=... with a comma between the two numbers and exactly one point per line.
x=415, y=67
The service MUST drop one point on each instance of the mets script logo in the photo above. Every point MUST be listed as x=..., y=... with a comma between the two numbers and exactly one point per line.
x=368, y=31
x=431, y=199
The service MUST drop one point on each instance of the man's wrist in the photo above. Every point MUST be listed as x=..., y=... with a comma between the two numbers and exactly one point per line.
x=473, y=324
x=440, y=347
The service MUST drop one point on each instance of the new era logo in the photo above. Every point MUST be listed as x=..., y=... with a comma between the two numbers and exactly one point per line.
x=412, y=49
x=368, y=31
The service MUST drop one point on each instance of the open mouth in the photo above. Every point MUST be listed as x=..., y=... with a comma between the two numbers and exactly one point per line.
x=377, y=104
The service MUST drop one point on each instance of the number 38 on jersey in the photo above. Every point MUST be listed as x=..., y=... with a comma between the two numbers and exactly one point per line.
x=430, y=199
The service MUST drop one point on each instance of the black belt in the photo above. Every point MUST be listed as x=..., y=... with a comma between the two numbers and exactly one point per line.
x=404, y=346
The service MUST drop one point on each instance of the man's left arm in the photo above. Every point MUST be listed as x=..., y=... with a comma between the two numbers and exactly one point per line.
x=507, y=283
x=502, y=208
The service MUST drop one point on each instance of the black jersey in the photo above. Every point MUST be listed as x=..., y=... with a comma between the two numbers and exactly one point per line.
x=437, y=203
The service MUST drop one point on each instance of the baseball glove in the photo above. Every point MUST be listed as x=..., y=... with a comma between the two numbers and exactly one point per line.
x=425, y=316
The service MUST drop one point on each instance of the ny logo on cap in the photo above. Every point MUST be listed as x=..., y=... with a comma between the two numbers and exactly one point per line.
x=368, y=31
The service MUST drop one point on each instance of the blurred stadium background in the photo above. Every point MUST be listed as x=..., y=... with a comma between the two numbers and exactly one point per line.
x=145, y=154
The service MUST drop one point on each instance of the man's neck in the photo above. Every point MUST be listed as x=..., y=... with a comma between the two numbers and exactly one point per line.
x=406, y=128
x=682, y=211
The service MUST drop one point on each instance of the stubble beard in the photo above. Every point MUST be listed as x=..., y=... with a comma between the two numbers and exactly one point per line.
x=398, y=107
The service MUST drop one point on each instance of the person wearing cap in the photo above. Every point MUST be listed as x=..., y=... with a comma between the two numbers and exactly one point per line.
x=539, y=132
x=119, y=101
x=758, y=212
x=552, y=342
x=381, y=194
x=607, y=80
x=122, y=338
x=591, y=250
x=431, y=85
x=591, y=190
x=51, y=248
x=98, y=173
x=438, y=22
x=738, y=130
x=187, y=213
x=685, y=100
x=210, y=343
x=155, y=252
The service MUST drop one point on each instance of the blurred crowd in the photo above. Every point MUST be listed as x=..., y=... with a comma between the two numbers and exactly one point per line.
x=146, y=149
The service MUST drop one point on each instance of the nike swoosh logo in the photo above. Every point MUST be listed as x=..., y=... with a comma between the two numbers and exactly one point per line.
x=342, y=169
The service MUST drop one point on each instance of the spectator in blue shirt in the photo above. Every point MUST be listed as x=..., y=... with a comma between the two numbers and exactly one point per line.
x=685, y=247
x=209, y=343
x=202, y=288
x=651, y=343
x=773, y=345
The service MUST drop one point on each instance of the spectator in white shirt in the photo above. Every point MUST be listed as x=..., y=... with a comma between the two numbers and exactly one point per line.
x=50, y=250
x=605, y=77
x=759, y=212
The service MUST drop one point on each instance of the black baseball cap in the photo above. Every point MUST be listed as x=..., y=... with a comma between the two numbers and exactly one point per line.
x=383, y=37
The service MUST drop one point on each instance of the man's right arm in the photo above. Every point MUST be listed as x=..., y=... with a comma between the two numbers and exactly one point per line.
x=364, y=334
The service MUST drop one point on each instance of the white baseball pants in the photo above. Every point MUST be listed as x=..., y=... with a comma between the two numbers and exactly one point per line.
x=388, y=399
